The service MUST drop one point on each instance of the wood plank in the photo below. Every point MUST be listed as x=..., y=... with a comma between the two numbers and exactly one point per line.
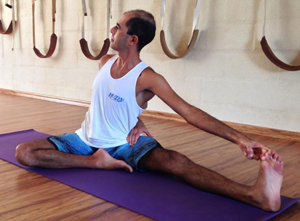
x=28, y=196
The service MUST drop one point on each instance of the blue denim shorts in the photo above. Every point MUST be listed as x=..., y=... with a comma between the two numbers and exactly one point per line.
x=71, y=143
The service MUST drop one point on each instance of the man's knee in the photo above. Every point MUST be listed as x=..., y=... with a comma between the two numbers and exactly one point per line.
x=23, y=154
x=178, y=163
x=168, y=161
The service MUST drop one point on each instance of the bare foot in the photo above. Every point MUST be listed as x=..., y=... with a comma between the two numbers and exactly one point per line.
x=266, y=191
x=104, y=161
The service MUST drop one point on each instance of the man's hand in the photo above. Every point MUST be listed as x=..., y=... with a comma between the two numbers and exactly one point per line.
x=136, y=132
x=253, y=149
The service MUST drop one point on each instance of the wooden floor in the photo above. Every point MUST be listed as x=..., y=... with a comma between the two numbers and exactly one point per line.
x=28, y=196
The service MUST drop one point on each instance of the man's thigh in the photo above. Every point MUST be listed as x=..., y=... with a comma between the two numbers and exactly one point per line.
x=167, y=161
x=155, y=159
x=71, y=143
x=38, y=144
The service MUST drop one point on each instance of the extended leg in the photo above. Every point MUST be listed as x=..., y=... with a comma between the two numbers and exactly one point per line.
x=42, y=153
x=265, y=194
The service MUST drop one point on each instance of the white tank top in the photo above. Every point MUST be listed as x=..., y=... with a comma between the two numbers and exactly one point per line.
x=114, y=110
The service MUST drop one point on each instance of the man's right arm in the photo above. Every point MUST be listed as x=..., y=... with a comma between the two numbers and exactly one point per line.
x=104, y=59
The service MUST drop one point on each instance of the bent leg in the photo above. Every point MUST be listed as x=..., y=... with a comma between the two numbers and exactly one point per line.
x=265, y=194
x=26, y=152
x=43, y=153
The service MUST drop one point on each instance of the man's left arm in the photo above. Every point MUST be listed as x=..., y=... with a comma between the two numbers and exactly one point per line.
x=200, y=119
x=204, y=121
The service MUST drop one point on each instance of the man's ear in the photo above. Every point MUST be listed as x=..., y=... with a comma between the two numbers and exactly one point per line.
x=134, y=39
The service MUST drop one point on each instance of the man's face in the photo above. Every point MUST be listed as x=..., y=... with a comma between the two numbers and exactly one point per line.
x=120, y=38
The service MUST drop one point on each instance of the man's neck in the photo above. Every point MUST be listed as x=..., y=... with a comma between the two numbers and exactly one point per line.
x=128, y=59
x=125, y=62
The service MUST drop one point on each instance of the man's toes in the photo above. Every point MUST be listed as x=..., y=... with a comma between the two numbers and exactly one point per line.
x=126, y=167
x=129, y=169
x=123, y=165
x=266, y=156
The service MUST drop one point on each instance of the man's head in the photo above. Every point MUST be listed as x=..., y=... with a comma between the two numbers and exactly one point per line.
x=136, y=26
x=142, y=24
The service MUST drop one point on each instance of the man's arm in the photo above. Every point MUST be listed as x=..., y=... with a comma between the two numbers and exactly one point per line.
x=104, y=59
x=198, y=118
x=136, y=132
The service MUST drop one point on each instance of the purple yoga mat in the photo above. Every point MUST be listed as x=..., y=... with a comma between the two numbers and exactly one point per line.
x=151, y=194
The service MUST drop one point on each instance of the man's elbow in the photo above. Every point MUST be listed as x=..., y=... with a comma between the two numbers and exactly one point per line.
x=189, y=114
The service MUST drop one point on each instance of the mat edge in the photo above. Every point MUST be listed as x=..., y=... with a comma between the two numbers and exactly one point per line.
x=17, y=132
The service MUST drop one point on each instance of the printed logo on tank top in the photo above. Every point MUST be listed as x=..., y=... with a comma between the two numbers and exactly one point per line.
x=115, y=97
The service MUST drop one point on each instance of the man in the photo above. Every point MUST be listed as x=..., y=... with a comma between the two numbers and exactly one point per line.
x=121, y=90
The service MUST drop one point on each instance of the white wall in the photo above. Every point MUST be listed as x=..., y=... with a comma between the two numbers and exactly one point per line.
x=226, y=74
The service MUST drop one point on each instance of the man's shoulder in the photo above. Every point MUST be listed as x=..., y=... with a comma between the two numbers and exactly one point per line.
x=150, y=76
x=149, y=72
x=104, y=59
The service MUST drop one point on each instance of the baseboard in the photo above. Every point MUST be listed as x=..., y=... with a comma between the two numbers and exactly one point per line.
x=275, y=133
x=249, y=129
x=163, y=115
x=46, y=97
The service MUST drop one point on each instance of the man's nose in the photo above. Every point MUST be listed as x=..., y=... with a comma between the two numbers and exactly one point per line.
x=112, y=30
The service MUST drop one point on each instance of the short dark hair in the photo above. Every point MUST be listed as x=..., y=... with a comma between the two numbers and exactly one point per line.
x=142, y=24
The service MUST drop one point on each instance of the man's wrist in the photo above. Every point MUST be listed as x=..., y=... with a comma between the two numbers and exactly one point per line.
x=240, y=139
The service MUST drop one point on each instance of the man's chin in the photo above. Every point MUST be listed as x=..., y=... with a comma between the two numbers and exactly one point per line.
x=112, y=46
